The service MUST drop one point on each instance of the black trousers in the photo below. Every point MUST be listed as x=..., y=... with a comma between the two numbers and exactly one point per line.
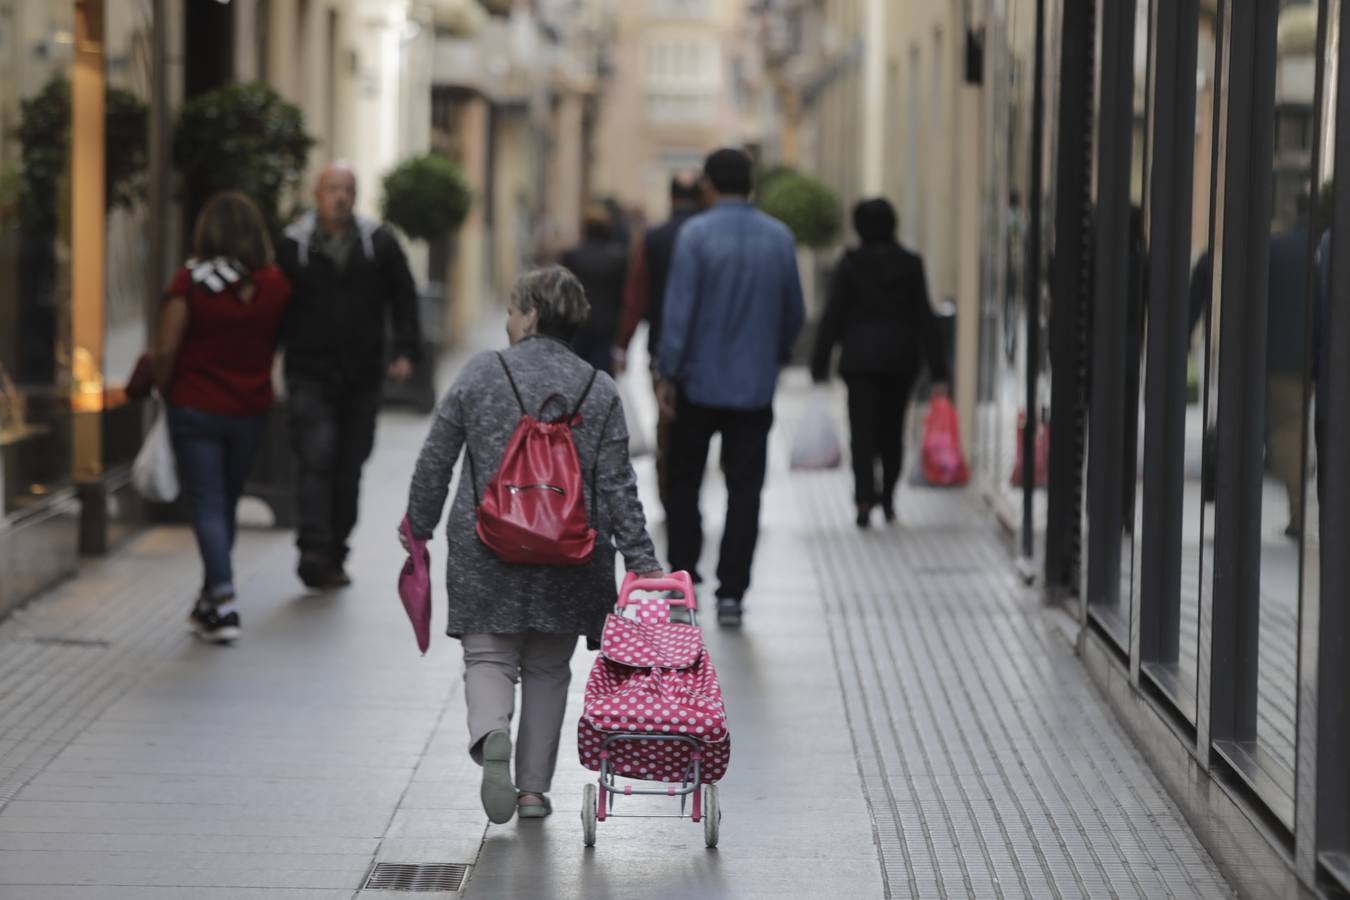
x=877, y=405
x=332, y=434
x=745, y=457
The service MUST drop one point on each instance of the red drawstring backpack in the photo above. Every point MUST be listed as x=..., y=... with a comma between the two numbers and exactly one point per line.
x=534, y=509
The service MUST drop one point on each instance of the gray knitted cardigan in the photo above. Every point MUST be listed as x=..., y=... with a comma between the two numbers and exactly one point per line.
x=478, y=415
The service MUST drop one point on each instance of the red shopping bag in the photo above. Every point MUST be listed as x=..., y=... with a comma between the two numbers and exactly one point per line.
x=414, y=587
x=944, y=465
x=1042, y=451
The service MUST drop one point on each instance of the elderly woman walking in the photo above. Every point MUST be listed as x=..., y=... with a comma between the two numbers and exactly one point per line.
x=519, y=622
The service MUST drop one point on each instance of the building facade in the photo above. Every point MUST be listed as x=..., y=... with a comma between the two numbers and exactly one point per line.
x=91, y=224
x=674, y=93
x=1133, y=207
x=1165, y=288
x=873, y=98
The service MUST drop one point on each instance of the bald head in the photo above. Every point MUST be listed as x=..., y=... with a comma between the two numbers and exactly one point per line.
x=335, y=196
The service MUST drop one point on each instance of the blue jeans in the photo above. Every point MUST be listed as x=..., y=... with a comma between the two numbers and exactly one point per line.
x=214, y=453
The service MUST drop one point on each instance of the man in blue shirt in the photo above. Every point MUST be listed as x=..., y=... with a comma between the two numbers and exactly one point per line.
x=733, y=307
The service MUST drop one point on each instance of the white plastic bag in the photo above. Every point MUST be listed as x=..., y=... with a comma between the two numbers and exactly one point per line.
x=816, y=445
x=154, y=473
x=639, y=439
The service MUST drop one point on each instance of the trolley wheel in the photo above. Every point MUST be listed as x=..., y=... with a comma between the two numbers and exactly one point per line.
x=712, y=815
x=589, y=802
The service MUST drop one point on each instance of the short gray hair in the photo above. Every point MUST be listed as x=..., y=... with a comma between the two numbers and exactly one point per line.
x=557, y=296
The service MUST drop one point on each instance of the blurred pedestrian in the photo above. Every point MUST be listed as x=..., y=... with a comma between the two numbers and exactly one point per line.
x=218, y=330
x=600, y=263
x=351, y=279
x=733, y=308
x=879, y=313
x=644, y=296
x=1286, y=359
x=519, y=623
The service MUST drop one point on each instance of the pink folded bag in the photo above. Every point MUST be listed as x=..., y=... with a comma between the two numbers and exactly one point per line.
x=414, y=587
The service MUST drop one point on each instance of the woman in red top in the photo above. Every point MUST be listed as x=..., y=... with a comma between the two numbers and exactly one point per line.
x=217, y=337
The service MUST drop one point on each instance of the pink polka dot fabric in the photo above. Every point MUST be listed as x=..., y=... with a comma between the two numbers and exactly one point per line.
x=646, y=644
x=654, y=678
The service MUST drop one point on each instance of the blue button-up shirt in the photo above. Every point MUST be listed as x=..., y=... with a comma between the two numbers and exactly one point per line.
x=733, y=307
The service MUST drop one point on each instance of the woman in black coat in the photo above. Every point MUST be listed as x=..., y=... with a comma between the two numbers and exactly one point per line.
x=878, y=312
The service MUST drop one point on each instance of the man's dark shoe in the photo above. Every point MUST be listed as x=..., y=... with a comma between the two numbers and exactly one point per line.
x=320, y=573
x=312, y=569
x=209, y=625
x=864, y=519
x=888, y=510
x=729, y=610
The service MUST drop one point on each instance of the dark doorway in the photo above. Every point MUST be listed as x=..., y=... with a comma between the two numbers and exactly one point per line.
x=208, y=63
x=208, y=45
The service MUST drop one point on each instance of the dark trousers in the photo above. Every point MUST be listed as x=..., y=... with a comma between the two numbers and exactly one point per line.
x=745, y=455
x=214, y=454
x=662, y=453
x=877, y=405
x=332, y=434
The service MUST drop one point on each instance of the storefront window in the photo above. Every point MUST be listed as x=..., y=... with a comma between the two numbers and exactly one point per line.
x=1004, y=362
x=1119, y=314
x=131, y=280
x=1176, y=667
x=36, y=50
x=1137, y=303
x=1292, y=284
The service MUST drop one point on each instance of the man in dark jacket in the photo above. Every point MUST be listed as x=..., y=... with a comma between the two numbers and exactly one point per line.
x=349, y=276
x=644, y=295
x=600, y=263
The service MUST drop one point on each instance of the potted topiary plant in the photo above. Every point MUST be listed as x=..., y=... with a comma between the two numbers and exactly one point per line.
x=812, y=211
x=243, y=137
x=427, y=197
x=39, y=190
x=806, y=205
x=44, y=135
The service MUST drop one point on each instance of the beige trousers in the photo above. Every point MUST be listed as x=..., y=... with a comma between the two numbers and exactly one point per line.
x=1286, y=438
x=541, y=664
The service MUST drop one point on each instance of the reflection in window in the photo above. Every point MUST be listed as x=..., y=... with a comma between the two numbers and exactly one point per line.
x=36, y=42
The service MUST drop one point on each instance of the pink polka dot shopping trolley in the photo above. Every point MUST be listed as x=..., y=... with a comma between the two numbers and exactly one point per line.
x=653, y=709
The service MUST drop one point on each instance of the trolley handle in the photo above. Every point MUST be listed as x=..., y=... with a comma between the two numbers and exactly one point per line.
x=676, y=581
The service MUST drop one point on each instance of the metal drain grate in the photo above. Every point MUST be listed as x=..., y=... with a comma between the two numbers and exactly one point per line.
x=57, y=641
x=421, y=877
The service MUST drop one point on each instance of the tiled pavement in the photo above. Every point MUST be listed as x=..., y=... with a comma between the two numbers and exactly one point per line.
x=906, y=721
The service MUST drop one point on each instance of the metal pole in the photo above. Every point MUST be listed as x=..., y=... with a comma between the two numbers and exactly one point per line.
x=1068, y=322
x=1033, y=287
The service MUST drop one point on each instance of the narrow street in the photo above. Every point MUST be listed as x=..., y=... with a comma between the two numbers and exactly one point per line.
x=907, y=722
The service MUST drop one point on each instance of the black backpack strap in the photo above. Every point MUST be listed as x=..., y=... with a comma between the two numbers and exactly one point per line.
x=515, y=390
x=584, y=394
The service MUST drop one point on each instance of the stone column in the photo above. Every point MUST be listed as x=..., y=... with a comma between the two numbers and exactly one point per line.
x=874, y=98
x=467, y=269
x=87, y=237
x=565, y=199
